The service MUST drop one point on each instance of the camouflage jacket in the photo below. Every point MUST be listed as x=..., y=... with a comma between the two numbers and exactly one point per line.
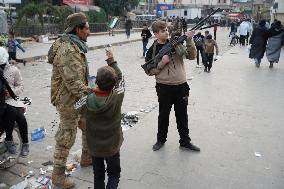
x=68, y=80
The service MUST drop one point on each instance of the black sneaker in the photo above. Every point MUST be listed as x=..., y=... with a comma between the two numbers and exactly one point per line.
x=11, y=147
x=190, y=146
x=25, y=150
x=157, y=146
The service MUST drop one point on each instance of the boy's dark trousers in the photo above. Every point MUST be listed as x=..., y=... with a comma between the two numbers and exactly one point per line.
x=209, y=61
x=113, y=171
x=22, y=123
x=8, y=121
x=127, y=31
x=215, y=34
x=201, y=50
x=176, y=95
x=243, y=40
x=13, y=56
x=145, y=43
x=247, y=39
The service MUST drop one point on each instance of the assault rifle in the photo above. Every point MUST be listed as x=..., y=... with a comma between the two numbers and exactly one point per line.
x=211, y=26
x=167, y=48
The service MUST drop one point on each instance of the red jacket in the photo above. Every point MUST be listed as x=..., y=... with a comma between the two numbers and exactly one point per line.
x=215, y=27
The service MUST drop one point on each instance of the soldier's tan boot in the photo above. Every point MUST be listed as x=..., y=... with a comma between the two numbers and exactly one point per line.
x=86, y=159
x=59, y=179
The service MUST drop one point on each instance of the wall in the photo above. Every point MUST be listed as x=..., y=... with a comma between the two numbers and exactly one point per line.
x=206, y=2
x=279, y=15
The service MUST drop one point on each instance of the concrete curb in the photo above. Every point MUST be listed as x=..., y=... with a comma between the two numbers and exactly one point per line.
x=43, y=57
x=53, y=37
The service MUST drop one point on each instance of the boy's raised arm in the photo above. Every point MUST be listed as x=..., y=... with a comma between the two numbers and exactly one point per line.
x=112, y=63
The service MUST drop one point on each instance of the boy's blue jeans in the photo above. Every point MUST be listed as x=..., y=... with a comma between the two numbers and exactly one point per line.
x=145, y=43
x=113, y=171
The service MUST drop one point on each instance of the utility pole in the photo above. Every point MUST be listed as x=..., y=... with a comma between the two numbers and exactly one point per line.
x=148, y=3
x=252, y=8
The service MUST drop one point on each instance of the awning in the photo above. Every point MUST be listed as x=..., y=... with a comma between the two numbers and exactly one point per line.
x=234, y=15
x=84, y=8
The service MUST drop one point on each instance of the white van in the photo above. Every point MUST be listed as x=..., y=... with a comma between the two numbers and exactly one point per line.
x=146, y=17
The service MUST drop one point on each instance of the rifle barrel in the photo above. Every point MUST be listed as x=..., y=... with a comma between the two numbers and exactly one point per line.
x=200, y=23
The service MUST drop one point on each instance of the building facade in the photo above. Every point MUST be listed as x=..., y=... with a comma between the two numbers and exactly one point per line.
x=221, y=3
x=83, y=2
x=277, y=10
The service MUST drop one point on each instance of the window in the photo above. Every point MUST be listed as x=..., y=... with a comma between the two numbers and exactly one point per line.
x=185, y=13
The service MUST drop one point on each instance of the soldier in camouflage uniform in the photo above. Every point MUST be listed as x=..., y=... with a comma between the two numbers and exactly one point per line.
x=68, y=84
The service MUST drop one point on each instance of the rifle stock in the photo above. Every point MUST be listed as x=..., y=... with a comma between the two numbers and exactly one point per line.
x=169, y=46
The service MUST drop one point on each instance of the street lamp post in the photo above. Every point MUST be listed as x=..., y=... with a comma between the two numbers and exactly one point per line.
x=148, y=3
x=252, y=9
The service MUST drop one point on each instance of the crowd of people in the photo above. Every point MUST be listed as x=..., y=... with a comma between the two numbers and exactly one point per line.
x=260, y=39
x=97, y=111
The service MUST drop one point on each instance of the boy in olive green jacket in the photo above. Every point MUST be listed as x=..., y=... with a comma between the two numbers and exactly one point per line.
x=102, y=110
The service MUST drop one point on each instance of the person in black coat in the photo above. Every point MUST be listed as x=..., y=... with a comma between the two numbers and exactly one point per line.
x=146, y=35
x=128, y=27
x=258, y=42
x=199, y=41
x=184, y=25
x=274, y=42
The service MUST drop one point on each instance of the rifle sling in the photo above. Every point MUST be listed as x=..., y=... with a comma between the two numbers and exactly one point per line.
x=11, y=92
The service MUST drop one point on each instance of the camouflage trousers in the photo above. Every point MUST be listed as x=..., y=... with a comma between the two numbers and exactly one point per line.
x=66, y=135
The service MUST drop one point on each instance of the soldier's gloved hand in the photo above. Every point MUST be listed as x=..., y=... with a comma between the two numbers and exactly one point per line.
x=166, y=59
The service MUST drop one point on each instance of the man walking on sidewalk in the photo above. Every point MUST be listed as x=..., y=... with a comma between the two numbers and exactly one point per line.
x=146, y=35
x=128, y=27
x=68, y=84
x=244, y=29
x=199, y=44
x=215, y=30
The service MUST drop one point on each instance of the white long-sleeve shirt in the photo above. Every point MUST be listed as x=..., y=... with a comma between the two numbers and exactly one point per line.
x=244, y=28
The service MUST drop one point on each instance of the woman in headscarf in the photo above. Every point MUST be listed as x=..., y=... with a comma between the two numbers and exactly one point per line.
x=258, y=42
x=274, y=44
x=13, y=76
x=7, y=112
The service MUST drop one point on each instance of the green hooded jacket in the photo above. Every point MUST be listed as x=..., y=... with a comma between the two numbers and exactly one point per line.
x=103, y=119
